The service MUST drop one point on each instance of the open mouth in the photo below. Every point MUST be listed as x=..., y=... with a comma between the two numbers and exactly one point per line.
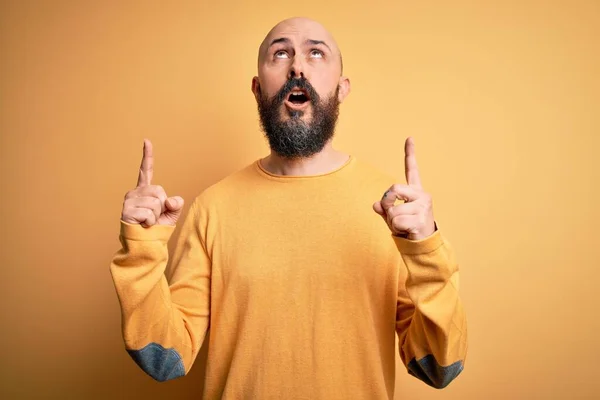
x=298, y=97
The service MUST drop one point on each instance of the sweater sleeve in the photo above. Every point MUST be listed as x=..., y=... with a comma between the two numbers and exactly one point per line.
x=163, y=322
x=430, y=320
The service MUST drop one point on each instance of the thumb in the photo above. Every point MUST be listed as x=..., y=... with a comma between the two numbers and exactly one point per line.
x=174, y=204
x=378, y=208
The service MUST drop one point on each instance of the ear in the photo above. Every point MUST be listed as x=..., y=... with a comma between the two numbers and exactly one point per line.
x=344, y=91
x=256, y=88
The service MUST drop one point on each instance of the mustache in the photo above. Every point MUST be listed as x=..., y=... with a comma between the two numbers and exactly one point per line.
x=300, y=83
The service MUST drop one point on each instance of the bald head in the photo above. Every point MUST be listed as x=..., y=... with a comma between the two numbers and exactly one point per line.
x=311, y=31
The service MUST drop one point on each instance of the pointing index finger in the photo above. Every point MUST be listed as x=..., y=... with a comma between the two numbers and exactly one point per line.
x=411, y=169
x=147, y=166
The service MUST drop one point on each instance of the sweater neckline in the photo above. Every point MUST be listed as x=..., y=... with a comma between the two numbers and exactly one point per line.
x=292, y=178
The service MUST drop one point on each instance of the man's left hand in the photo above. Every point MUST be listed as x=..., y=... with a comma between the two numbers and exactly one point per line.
x=412, y=219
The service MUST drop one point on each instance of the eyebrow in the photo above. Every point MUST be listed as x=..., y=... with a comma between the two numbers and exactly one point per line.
x=309, y=41
x=317, y=42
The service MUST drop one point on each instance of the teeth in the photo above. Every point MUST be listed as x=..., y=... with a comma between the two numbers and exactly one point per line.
x=297, y=93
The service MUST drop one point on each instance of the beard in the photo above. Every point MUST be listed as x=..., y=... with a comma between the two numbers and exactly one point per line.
x=295, y=138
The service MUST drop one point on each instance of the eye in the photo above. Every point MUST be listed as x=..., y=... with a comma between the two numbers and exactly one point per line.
x=316, y=53
x=281, y=54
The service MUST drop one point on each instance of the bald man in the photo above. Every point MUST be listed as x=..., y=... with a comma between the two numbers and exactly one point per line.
x=287, y=261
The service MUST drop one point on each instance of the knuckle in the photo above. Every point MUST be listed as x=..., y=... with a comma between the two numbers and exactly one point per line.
x=426, y=204
x=134, y=202
x=151, y=217
x=126, y=210
x=130, y=215
x=400, y=220
x=159, y=191
x=391, y=217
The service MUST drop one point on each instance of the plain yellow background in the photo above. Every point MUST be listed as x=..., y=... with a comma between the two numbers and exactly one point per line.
x=502, y=97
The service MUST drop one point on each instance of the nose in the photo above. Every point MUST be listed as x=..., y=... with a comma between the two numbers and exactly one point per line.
x=296, y=69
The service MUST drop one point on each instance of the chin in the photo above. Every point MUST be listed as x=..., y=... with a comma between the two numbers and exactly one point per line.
x=296, y=115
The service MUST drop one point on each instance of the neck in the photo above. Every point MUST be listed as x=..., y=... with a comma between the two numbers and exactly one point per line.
x=323, y=162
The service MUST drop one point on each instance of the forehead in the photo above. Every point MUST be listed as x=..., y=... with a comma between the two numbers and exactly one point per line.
x=298, y=30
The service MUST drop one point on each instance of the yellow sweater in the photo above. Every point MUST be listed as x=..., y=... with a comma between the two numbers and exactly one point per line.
x=302, y=286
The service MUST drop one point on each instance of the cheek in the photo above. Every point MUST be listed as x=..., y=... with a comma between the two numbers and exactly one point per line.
x=325, y=82
x=325, y=88
x=271, y=81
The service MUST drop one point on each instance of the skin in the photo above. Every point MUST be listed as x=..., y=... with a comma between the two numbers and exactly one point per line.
x=413, y=218
x=148, y=204
x=298, y=47
x=320, y=63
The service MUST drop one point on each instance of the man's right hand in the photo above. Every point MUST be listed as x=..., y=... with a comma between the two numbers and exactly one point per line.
x=148, y=204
